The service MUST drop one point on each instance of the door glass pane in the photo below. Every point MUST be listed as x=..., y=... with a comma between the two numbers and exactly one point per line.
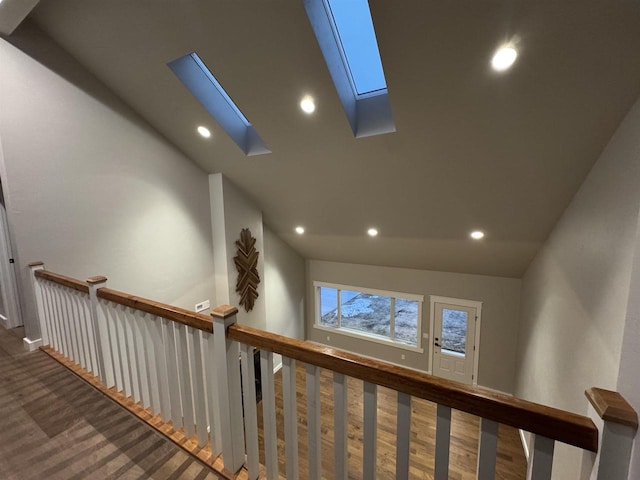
x=328, y=306
x=406, y=321
x=366, y=312
x=454, y=330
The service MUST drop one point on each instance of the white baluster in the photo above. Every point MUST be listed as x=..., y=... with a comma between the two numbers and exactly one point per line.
x=171, y=356
x=123, y=353
x=404, y=435
x=64, y=334
x=340, y=455
x=199, y=399
x=50, y=315
x=53, y=310
x=141, y=357
x=540, y=458
x=370, y=431
x=487, y=449
x=250, y=410
x=213, y=409
x=184, y=374
x=71, y=328
x=290, y=416
x=269, y=414
x=229, y=400
x=111, y=316
x=443, y=434
x=97, y=320
x=132, y=358
x=90, y=345
x=313, y=421
x=160, y=356
x=148, y=334
x=75, y=325
x=81, y=332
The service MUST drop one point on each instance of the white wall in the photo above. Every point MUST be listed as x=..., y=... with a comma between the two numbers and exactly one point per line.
x=231, y=212
x=574, y=294
x=90, y=188
x=500, y=297
x=628, y=378
x=284, y=277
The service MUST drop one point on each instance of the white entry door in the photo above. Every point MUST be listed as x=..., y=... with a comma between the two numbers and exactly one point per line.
x=454, y=337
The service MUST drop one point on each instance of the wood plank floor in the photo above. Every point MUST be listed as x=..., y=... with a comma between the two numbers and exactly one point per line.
x=511, y=463
x=55, y=426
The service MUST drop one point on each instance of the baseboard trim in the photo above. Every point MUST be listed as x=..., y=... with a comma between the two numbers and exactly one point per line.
x=31, y=345
x=525, y=447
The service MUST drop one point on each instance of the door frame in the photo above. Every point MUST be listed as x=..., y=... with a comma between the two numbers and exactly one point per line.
x=8, y=276
x=433, y=299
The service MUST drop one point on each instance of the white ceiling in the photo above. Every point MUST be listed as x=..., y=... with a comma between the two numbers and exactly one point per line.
x=473, y=149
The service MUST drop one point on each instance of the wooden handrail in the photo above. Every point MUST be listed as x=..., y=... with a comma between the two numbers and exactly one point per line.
x=550, y=422
x=176, y=314
x=62, y=280
x=612, y=407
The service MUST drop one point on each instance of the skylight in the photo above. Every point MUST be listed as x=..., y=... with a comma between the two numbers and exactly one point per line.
x=195, y=75
x=345, y=34
x=354, y=29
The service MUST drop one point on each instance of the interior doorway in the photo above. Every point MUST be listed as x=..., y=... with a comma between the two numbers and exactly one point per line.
x=456, y=337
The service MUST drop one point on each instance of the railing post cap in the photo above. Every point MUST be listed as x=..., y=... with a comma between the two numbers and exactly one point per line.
x=96, y=279
x=224, y=311
x=36, y=264
x=612, y=407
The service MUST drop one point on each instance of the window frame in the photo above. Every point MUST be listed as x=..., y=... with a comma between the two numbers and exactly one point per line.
x=350, y=332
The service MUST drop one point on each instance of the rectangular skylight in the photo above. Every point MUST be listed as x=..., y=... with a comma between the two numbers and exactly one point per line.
x=345, y=34
x=195, y=75
x=353, y=27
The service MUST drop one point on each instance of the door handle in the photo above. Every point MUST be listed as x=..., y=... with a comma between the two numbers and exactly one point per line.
x=436, y=343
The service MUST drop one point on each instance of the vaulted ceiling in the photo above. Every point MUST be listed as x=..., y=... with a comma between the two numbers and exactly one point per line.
x=474, y=149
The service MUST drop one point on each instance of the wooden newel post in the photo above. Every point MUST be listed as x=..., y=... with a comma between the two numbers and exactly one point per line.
x=100, y=334
x=227, y=355
x=37, y=292
x=617, y=423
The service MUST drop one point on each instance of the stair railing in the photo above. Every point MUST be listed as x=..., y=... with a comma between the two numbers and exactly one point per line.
x=183, y=367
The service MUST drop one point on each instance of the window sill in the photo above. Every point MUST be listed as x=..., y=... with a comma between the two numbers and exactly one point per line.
x=368, y=337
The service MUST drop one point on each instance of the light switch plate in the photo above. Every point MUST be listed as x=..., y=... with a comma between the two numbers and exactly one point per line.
x=202, y=306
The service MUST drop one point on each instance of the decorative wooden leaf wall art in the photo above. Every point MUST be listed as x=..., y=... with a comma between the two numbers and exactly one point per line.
x=247, y=265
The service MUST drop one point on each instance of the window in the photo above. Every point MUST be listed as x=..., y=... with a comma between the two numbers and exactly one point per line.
x=199, y=80
x=375, y=314
x=345, y=34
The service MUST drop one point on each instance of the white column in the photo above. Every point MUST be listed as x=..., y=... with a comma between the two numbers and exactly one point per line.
x=227, y=356
x=37, y=291
x=617, y=423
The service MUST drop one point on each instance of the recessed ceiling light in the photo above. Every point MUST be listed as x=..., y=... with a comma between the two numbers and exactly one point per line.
x=204, y=131
x=477, y=235
x=299, y=230
x=308, y=104
x=372, y=232
x=503, y=58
